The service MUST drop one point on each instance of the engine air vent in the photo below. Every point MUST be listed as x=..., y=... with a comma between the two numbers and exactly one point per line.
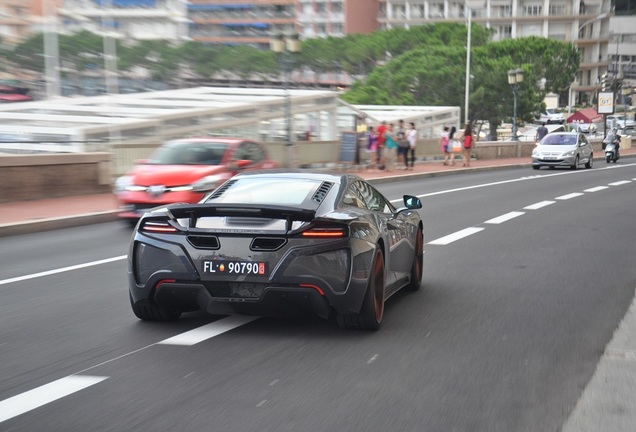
x=204, y=242
x=267, y=243
x=219, y=191
x=321, y=193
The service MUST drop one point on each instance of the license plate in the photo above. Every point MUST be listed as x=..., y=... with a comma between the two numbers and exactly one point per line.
x=549, y=158
x=235, y=268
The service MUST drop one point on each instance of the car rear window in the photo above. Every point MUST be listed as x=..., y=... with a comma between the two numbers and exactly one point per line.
x=274, y=191
x=559, y=139
x=189, y=153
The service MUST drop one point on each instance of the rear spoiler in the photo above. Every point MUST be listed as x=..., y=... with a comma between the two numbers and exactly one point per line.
x=195, y=211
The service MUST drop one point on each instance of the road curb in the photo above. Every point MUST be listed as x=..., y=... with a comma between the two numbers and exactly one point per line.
x=40, y=225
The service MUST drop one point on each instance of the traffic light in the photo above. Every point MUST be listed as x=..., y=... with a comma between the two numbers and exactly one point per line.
x=605, y=82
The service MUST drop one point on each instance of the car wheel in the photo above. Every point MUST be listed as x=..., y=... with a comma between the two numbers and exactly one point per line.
x=418, y=262
x=152, y=312
x=576, y=163
x=370, y=316
x=590, y=162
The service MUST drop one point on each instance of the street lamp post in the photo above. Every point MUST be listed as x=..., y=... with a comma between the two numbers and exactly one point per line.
x=286, y=46
x=514, y=78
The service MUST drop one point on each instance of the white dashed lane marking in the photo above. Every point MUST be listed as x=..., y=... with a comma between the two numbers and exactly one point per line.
x=505, y=217
x=455, y=236
x=620, y=183
x=596, y=189
x=569, y=196
x=539, y=205
x=208, y=331
x=45, y=394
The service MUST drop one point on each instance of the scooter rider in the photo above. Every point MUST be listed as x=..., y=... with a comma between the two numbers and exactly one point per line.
x=614, y=138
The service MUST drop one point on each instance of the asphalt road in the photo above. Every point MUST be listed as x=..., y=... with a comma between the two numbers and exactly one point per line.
x=527, y=275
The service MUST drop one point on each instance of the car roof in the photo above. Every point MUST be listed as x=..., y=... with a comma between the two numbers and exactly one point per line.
x=300, y=174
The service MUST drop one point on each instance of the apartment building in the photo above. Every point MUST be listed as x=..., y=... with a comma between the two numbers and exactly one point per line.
x=622, y=49
x=15, y=22
x=584, y=24
x=321, y=18
x=235, y=23
x=134, y=19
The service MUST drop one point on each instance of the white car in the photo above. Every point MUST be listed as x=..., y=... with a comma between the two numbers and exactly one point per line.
x=551, y=116
x=621, y=122
x=563, y=149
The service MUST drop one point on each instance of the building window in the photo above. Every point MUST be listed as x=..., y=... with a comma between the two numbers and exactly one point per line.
x=505, y=32
x=558, y=9
x=505, y=11
x=532, y=10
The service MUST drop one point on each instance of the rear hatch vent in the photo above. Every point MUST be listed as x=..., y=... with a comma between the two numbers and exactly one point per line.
x=267, y=243
x=321, y=193
x=220, y=191
x=204, y=242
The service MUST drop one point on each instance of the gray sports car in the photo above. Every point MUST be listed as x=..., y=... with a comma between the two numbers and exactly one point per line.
x=277, y=243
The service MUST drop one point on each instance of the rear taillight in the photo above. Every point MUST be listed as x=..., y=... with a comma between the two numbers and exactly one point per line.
x=157, y=227
x=325, y=232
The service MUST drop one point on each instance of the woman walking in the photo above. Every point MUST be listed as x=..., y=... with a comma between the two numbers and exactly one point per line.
x=444, y=144
x=412, y=138
x=451, y=142
x=468, y=142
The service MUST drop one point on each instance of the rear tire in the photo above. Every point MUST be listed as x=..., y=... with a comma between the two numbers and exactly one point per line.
x=418, y=263
x=152, y=312
x=372, y=311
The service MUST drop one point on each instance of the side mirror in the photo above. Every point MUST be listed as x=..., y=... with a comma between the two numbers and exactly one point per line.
x=412, y=202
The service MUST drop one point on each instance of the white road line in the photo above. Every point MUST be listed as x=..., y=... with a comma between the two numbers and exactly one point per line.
x=208, y=331
x=32, y=399
x=455, y=236
x=619, y=183
x=61, y=270
x=505, y=217
x=569, y=196
x=596, y=189
x=532, y=178
x=539, y=205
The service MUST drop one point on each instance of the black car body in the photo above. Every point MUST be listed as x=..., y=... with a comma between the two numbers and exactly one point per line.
x=278, y=243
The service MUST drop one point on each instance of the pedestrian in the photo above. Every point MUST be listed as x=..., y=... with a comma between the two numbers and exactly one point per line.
x=468, y=143
x=412, y=138
x=381, y=142
x=444, y=145
x=390, y=147
x=541, y=132
x=402, y=144
x=452, y=142
x=372, y=148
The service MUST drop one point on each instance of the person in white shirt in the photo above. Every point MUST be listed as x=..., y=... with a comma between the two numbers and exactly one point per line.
x=411, y=136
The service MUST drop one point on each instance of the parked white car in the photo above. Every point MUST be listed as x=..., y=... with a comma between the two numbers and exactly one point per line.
x=551, y=116
x=621, y=121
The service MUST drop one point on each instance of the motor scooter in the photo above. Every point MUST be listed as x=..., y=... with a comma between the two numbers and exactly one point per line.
x=611, y=149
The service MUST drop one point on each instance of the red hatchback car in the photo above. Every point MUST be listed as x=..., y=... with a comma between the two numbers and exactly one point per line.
x=184, y=171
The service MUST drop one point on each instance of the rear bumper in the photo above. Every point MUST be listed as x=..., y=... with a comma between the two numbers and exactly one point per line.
x=272, y=300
